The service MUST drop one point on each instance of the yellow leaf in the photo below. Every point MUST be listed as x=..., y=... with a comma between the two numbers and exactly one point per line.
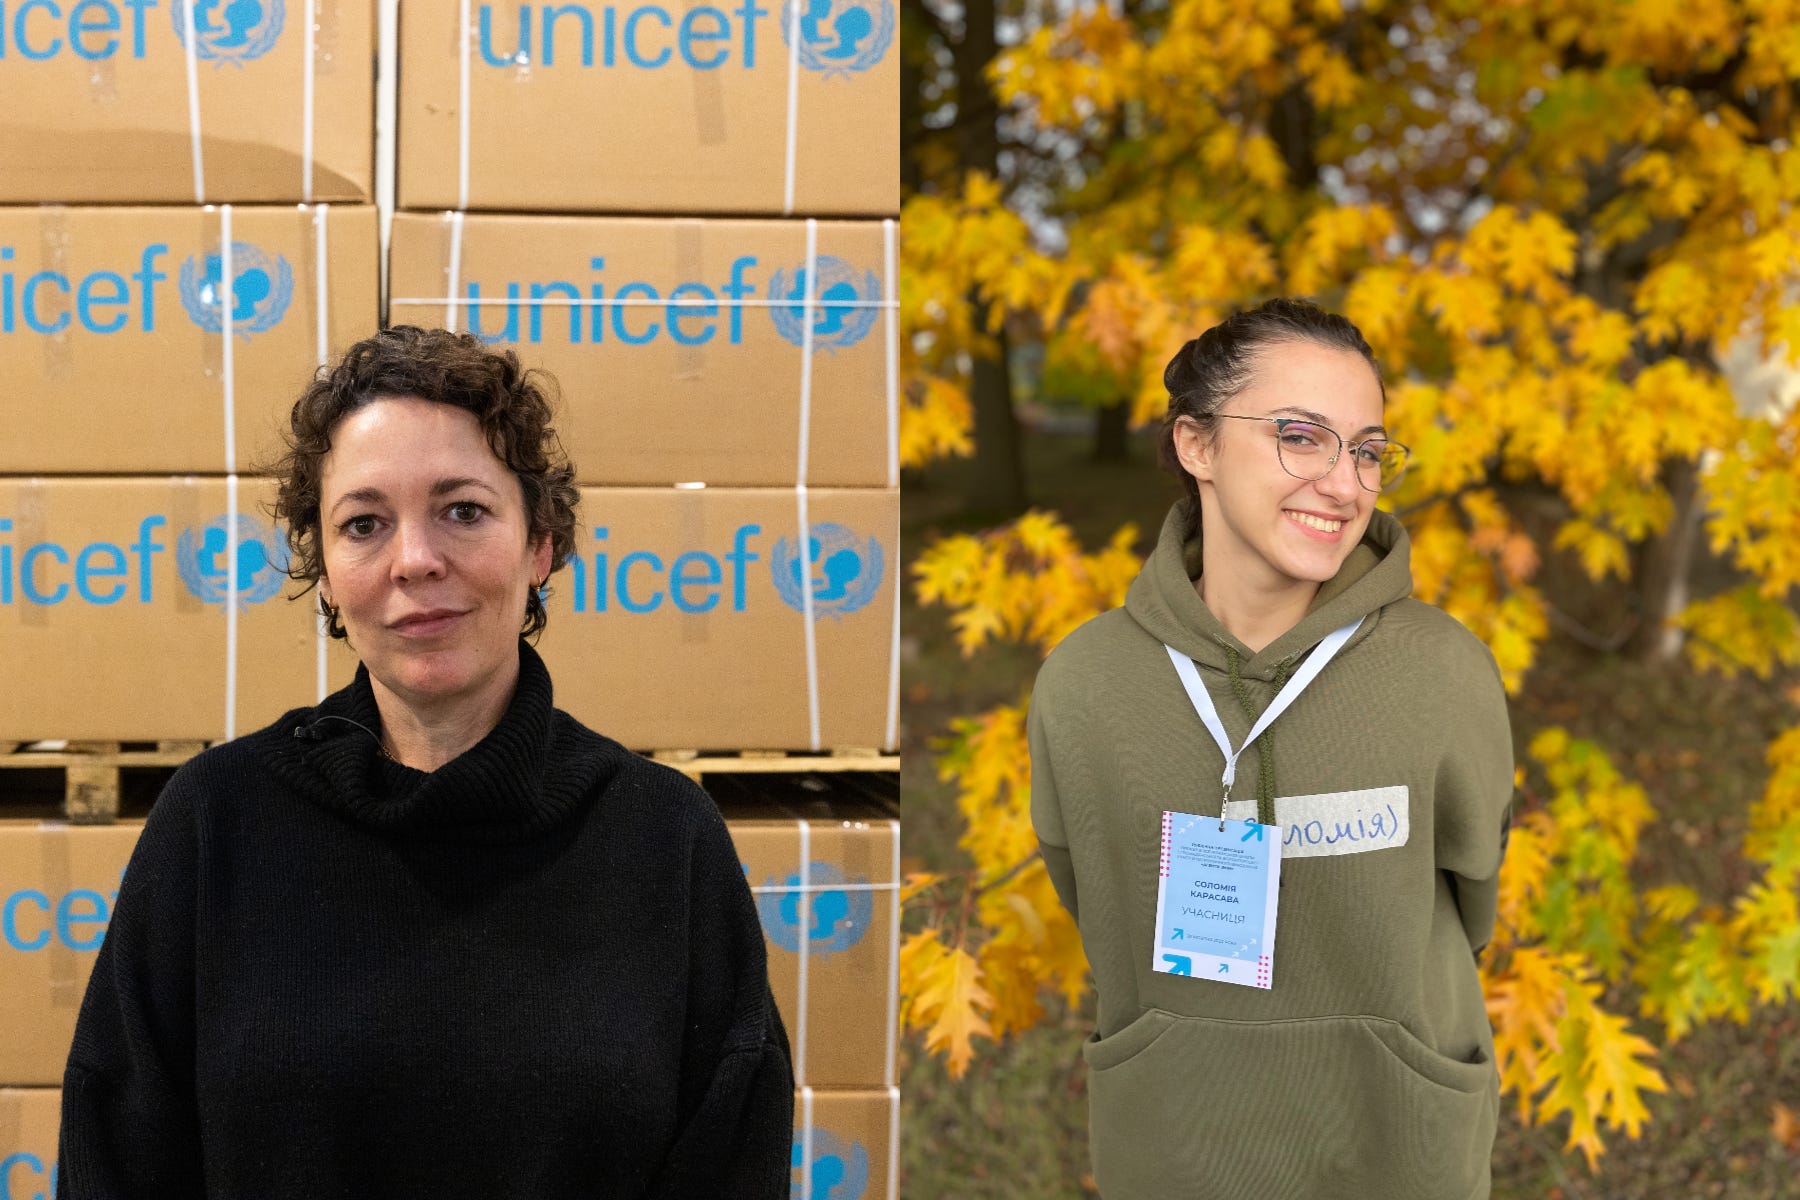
x=951, y=989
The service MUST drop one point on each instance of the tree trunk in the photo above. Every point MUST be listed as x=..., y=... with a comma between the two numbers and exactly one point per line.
x=1664, y=568
x=998, y=485
x=1111, y=425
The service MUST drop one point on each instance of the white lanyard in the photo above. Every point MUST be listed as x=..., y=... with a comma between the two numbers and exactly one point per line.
x=1209, y=715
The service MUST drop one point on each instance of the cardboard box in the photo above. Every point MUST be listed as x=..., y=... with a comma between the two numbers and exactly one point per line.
x=99, y=109
x=113, y=355
x=679, y=626
x=113, y=612
x=680, y=621
x=847, y=1144
x=30, y=1120
x=836, y=987
x=642, y=106
x=57, y=887
x=700, y=373
x=837, y=880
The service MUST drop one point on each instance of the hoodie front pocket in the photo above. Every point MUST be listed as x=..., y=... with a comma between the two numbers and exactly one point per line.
x=1350, y=1107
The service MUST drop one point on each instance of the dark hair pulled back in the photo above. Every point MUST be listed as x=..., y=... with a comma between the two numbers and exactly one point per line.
x=1207, y=372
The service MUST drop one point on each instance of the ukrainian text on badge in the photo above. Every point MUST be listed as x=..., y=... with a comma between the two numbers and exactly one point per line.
x=1215, y=911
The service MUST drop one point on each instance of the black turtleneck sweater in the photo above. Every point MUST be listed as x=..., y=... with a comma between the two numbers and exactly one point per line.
x=534, y=972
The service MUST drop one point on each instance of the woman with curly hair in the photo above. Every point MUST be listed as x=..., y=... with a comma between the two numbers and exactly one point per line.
x=431, y=936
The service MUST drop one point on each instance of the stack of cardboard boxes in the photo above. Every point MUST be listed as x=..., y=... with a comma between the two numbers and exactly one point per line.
x=684, y=214
x=186, y=233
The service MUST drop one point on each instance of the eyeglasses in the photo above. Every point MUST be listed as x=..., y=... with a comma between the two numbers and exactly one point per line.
x=1309, y=451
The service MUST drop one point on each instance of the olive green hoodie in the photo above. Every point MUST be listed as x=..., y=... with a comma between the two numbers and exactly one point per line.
x=1366, y=1071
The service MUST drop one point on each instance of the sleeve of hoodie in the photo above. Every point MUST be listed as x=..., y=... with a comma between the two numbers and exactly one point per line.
x=1474, y=791
x=129, y=1123
x=735, y=1127
x=1046, y=806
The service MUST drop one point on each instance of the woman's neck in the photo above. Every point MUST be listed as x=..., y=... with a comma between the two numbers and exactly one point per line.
x=1254, y=615
x=425, y=733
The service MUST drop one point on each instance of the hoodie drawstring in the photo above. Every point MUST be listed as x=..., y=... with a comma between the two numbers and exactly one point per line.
x=1265, y=749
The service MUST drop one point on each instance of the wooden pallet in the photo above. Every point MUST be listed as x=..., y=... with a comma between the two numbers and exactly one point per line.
x=92, y=773
x=696, y=765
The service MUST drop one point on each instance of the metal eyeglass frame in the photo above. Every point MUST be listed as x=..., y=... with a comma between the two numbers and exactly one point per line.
x=1281, y=424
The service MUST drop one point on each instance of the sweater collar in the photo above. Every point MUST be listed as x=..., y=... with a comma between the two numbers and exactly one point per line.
x=1163, y=600
x=520, y=780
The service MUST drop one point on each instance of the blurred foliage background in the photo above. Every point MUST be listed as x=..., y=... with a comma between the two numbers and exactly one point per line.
x=1569, y=231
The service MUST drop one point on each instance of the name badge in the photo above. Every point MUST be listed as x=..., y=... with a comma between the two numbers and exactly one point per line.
x=1215, y=906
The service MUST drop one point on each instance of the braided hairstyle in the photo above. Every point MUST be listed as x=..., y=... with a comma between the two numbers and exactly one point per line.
x=1207, y=372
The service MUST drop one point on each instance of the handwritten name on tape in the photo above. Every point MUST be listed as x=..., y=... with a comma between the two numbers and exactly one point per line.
x=1336, y=822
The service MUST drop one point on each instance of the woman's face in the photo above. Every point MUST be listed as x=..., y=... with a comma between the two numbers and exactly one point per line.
x=1273, y=529
x=427, y=554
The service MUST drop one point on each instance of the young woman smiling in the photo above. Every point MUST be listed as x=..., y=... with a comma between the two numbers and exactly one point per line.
x=431, y=937
x=1350, y=1055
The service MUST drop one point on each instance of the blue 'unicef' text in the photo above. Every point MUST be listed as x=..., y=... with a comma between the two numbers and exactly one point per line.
x=41, y=29
x=30, y=920
x=649, y=35
x=47, y=301
x=689, y=313
x=691, y=581
x=44, y=572
x=26, y=1164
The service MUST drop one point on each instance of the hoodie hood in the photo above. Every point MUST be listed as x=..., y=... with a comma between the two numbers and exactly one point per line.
x=1163, y=601
x=531, y=772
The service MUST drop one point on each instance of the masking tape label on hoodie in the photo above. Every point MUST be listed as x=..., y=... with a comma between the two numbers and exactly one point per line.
x=1355, y=822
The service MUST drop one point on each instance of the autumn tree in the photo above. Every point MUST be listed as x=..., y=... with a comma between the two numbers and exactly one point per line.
x=1554, y=221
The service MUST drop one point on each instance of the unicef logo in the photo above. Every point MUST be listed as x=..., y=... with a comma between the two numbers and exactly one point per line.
x=260, y=290
x=840, y=36
x=838, y=919
x=844, y=306
x=845, y=570
x=229, y=31
x=203, y=556
x=839, y=1172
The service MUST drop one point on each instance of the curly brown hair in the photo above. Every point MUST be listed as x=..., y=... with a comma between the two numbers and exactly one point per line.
x=512, y=404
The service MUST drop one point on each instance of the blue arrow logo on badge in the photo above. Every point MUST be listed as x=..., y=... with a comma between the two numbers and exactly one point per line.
x=1255, y=831
x=1224, y=968
x=1179, y=935
x=1179, y=964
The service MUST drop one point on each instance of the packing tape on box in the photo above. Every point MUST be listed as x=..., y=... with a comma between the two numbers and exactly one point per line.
x=808, y=1122
x=807, y=311
x=322, y=294
x=231, y=601
x=54, y=240
x=462, y=124
x=227, y=302
x=889, y=303
x=12, y=1126
x=805, y=890
x=306, y=102
x=793, y=106
x=710, y=117
x=893, y=990
x=30, y=526
x=56, y=853
x=191, y=45
x=806, y=1141
x=803, y=548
